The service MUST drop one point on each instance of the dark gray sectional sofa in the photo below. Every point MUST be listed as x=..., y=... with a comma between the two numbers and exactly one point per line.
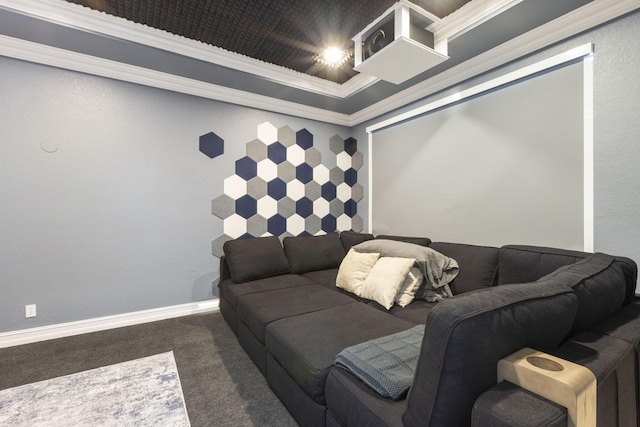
x=281, y=301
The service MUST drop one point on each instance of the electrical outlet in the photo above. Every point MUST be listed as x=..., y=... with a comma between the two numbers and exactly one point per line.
x=30, y=310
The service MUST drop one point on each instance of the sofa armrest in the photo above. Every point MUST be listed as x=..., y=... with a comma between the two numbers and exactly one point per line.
x=506, y=404
x=565, y=383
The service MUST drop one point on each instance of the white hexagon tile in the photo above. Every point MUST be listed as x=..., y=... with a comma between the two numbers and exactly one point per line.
x=282, y=188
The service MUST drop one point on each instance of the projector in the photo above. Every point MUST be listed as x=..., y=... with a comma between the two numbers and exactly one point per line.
x=398, y=45
x=381, y=37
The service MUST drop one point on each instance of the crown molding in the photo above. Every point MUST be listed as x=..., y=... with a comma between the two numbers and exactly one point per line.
x=83, y=18
x=468, y=17
x=47, y=55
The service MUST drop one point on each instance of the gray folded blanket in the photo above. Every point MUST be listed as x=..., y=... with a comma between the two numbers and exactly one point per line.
x=438, y=269
x=386, y=364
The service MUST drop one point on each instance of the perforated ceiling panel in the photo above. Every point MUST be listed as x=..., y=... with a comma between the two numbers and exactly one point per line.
x=289, y=33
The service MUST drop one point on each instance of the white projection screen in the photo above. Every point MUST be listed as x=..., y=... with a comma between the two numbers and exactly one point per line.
x=502, y=167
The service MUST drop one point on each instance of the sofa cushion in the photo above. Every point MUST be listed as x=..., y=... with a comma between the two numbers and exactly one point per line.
x=599, y=284
x=352, y=238
x=506, y=404
x=306, y=346
x=416, y=312
x=326, y=278
x=465, y=336
x=522, y=264
x=257, y=310
x=231, y=290
x=478, y=265
x=312, y=253
x=255, y=258
x=353, y=403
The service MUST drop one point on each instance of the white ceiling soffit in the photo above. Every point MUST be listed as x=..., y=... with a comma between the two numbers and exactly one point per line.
x=82, y=18
x=595, y=13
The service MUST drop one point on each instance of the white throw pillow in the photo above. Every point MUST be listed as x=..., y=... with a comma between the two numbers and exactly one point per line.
x=354, y=269
x=385, y=279
x=407, y=291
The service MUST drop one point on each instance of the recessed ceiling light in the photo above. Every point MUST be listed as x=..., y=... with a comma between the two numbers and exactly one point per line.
x=333, y=56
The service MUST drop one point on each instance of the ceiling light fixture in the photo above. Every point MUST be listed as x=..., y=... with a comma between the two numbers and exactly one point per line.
x=333, y=57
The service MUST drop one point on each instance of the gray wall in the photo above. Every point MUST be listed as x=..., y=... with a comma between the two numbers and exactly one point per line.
x=118, y=218
x=616, y=131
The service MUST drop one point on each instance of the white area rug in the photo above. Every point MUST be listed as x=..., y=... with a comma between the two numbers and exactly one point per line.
x=141, y=392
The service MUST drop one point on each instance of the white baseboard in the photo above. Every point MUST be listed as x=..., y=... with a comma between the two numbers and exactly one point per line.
x=27, y=336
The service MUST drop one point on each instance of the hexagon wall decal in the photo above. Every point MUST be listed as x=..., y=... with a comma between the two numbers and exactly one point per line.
x=281, y=187
x=211, y=145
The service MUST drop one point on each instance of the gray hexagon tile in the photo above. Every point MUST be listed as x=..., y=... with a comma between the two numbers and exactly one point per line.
x=357, y=192
x=357, y=223
x=256, y=150
x=312, y=157
x=257, y=187
x=257, y=226
x=286, y=136
x=286, y=171
x=312, y=190
x=336, y=144
x=223, y=206
x=216, y=245
x=286, y=207
x=357, y=160
x=282, y=187
x=313, y=225
x=336, y=176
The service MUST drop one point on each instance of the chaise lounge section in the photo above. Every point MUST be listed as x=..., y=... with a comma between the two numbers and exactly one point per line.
x=281, y=300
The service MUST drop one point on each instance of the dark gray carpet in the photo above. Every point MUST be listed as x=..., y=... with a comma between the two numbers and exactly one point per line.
x=221, y=386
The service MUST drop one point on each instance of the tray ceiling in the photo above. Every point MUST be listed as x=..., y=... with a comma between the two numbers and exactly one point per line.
x=289, y=33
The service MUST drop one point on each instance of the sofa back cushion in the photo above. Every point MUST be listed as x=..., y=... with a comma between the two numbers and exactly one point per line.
x=313, y=253
x=522, y=264
x=255, y=258
x=478, y=265
x=467, y=335
x=599, y=284
x=352, y=238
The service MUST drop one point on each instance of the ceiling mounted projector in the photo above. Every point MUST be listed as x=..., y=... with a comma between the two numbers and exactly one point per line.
x=381, y=37
x=398, y=45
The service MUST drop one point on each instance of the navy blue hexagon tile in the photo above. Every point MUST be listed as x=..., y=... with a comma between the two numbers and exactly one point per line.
x=211, y=145
x=277, y=153
x=304, y=173
x=351, y=177
x=246, y=206
x=246, y=168
x=351, y=146
x=277, y=225
x=277, y=188
x=304, y=207
x=304, y=139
